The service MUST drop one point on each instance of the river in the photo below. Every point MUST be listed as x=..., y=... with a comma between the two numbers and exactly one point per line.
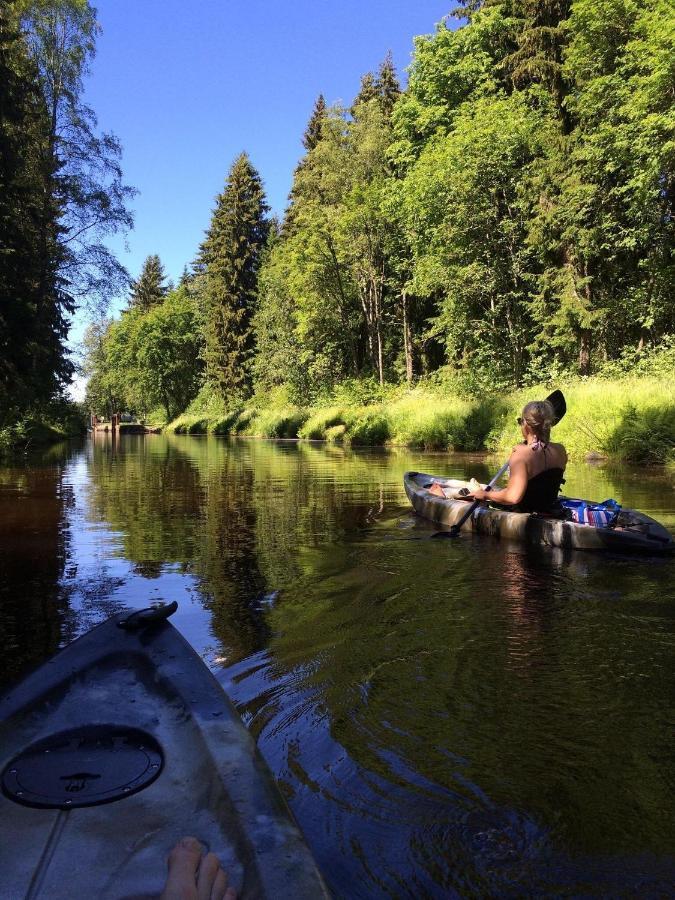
x=448, y=718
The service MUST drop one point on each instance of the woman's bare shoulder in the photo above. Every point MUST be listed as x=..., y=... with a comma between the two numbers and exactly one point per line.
x=560, y=449
x=519, y=453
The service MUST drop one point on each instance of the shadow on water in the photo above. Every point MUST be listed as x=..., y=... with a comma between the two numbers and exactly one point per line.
x=456, y=718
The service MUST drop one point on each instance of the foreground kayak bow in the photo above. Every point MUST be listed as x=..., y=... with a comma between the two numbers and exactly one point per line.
x=117, y=747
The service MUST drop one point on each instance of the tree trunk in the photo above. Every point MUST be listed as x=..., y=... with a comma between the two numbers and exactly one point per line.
x=343, y=305
x=377, y=289
x=585, y=351
x=407, y=342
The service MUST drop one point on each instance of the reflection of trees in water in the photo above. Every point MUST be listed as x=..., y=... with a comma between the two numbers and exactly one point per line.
x=271, y=509
x=483, y=670
x=33, y=553
x=187, y=508
x=226, y=559
x=148, y=493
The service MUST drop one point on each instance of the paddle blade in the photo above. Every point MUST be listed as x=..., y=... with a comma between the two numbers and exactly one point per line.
x=557, y=401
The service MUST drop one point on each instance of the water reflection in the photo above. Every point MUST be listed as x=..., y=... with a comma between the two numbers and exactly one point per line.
x=34, y=503
x=460, y=717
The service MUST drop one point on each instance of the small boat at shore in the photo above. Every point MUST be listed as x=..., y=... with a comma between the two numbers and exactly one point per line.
x=634, y=531
x=117, y=747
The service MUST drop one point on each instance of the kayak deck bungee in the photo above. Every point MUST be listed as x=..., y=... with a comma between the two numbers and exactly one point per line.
x=639, y=533
x=120, y=745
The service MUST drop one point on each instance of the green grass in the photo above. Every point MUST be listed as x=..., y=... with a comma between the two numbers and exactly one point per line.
x=320, y=421
x=430, y=420
x=629, y=418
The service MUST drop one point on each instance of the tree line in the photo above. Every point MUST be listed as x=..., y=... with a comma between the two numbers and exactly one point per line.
x=506, y=217
x=61, y=194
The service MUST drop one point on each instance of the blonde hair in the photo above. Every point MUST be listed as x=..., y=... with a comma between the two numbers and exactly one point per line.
x=539, y=415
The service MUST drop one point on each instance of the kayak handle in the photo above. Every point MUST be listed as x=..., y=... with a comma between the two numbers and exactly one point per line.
x=144, y=617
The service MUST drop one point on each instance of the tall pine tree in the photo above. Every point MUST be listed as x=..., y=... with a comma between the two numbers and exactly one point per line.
x=312, y=134
x=367, y=92
x=150, y=287
x=310, y=140
x=33, y=308
x=387, y=84
x=229, y=260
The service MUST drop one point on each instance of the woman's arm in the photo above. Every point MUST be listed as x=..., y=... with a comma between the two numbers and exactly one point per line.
x=514, y=491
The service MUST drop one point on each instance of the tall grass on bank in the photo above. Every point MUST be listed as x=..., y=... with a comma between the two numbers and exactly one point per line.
x=631, y=419
x=627, y=418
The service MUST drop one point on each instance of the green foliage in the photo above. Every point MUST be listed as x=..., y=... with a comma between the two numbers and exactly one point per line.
x=434, y=418
x=645, y=435
x=312, y=134
x=146, y=359
x=49, y=423
x=276, y=423
x=33, y=305
x=367, y=426
x=320, y=421
x=505, y=222
x=651, y=361
x=61, y=37
x=229, y=261
x=605, y=416
x=150, y=288
x=167, y=353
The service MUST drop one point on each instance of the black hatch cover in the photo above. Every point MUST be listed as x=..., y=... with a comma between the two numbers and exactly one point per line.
x=83, y=767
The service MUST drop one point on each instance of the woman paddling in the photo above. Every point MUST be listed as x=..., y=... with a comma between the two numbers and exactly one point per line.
x=536, y=466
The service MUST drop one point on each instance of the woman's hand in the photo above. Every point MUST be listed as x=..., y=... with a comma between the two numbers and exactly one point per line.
x=480, y=494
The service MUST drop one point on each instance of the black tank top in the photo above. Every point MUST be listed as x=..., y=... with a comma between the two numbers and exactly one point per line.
x=541, y=491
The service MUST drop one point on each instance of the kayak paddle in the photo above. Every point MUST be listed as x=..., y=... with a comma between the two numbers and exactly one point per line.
x=557, y=401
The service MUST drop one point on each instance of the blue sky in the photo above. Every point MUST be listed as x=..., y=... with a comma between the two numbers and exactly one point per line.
x=187, y=87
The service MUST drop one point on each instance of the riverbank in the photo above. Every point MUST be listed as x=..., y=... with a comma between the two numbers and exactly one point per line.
x=60, y=421
x=631, y=419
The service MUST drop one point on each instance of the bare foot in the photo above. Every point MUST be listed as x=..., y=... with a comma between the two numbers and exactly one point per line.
x=193, y=876
x=437, y=490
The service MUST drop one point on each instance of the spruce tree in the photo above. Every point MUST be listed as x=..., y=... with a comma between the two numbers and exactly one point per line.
x=150, y=288
x=387, y=85
x=540, y=45
x=229, y=260
x=310, y=141
x=312, y=134
x=367, y=91
x=33, y=307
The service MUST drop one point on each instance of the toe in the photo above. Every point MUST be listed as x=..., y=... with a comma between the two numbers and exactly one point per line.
x=206, y=877
x=183, y=865
x=219, y=886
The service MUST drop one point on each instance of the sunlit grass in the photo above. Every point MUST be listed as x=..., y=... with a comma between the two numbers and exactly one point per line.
x=627, y=418
x=631, y=419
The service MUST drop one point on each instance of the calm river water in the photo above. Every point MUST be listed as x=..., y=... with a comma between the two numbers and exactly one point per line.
x=446, y=718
